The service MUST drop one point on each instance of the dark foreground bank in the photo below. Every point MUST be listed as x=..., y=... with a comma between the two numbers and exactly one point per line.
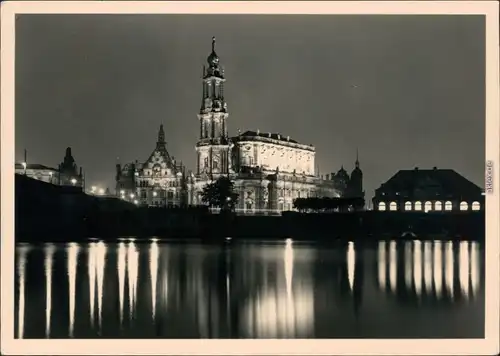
x=46, y=212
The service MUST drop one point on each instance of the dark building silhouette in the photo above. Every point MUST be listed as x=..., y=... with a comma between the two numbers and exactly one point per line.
x=428, y=190
x=68, y=171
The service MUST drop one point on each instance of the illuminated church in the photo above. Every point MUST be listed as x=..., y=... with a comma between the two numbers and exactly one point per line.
x=269, y=170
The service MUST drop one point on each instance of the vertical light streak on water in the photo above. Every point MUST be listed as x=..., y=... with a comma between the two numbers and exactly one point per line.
x=21, y=270
x=153, y=267
x=393, y=263
x=381, y=265
x=428, y=267
x=121, y=276
x=408, y=265
x=417, y=267
x=475, y=267
x=72, y=260
x=290, y=305
x=438, y=268
x=91, y=265
x=132, y=268
x=449, y=267
x=48, y=263
x=464, y=268
x=351, y=264
x=100, y=265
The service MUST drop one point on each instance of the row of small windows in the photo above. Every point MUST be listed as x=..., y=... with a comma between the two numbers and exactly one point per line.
x=438, y=206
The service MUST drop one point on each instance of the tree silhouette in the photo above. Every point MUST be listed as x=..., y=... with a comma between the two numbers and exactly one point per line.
x=220, y=194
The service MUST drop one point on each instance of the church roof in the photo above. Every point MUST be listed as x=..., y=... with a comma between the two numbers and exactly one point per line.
x=447, y=181
x=274, y=136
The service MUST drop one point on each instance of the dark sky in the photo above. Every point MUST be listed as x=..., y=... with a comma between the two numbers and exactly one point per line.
x=406, y=90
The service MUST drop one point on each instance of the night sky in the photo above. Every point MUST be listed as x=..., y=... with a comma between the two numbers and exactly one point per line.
x=405, y=90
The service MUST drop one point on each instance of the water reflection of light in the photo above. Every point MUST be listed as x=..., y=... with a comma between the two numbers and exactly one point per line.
x=408, y=265
x=393, y=261
x=464, y=267
x=121, y=276
x=289, y=311
x=91, y=264
x=449, y=261
x=153, y=267
x=100, y=265
x=48, y=262
x=72, y=255
x=474, y=264
x=438, y=268
x=351, y=263
x=381, y=265
x=417, y=267
x=132, y=266
x=21, y=268
x=428, y=267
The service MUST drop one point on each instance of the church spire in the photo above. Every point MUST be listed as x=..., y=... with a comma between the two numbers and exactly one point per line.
x=357, y=158
x=161, y=136
x=213, y=44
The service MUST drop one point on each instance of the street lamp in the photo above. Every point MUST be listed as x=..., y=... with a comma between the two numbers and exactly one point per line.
x=73, y=181
x=132, y=195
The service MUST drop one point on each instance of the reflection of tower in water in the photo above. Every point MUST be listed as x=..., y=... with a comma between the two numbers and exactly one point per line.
x=432, y=269
x=21, y=270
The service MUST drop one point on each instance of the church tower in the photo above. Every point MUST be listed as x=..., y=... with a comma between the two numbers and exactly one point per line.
x=356, y=182
x=213, y=146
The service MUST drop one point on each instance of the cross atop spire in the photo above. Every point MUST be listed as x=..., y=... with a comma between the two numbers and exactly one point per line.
x=161, y=135
x=357, y=158
x=213, y=44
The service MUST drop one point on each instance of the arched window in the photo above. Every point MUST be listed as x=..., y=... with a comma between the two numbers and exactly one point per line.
x=476, y=206
x=408, y=206
x=448, y=206
x=381, y=206
x=418, y=206
x=464, y=206
x=393, y=206
x=428, y=206
x=438, y=206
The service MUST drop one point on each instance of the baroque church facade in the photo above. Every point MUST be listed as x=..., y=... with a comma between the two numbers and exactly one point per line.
x=269, y=170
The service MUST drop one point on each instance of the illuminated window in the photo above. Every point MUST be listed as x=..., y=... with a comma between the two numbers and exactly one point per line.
x=393, y=206
x=464, y=206
x=476, y=206
x=381, y=206
x=408, y=206
x=447, y=206
x=428, y=206
x=438, y=206
x=418, y=206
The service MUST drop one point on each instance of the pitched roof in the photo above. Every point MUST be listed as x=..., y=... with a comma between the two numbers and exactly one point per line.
x=34, y=166
x=446, y=181
x=274, y=136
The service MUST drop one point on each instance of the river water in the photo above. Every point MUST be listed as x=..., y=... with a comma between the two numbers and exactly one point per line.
x=284, y=289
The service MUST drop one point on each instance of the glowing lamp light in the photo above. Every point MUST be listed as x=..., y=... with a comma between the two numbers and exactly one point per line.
x=101, y=191
x=24, y=165
x=136, y=202
x=132, y=196
x=155, y=194
x=122, y=192
x=288, y=241
x=73, y=181
x=93, y=189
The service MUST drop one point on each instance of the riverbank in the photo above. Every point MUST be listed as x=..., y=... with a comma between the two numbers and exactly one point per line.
x=46, y=212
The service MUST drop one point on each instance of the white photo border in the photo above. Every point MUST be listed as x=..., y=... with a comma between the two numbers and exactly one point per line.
x=11, y=346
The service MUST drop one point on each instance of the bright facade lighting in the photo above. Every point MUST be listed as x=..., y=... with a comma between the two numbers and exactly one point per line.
x=288, y=241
